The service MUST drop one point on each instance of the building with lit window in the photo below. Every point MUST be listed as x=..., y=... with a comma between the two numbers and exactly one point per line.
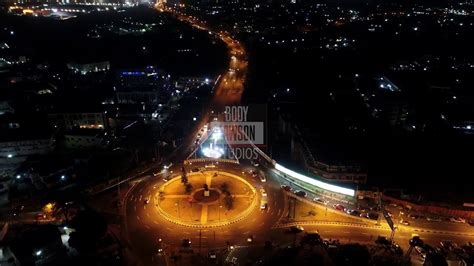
x=87, y=68
x=68, y=117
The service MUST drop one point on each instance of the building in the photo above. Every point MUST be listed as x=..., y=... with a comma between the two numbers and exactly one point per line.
x=326, y=159
x=83, y=138
x=332, y=156
x=44, y=171
x=186, y=83
x=148, y=86
x=87, y=68
x=73, y=116
x=16, y=144
x=384, y=100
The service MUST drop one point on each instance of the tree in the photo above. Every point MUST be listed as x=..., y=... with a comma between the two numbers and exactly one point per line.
x=352, y=254
x=224, y=187
x=90, y=228
x=189, y=188
x=184, y=178
x=229, y=202
x=311, y=239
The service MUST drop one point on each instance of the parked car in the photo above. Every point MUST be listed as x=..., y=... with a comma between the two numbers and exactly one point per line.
x=300, y=193
x=457, y=220
x=448, y=245
x=353, y=212
x=263, y=192
x=319, y=200
x=433, y=219
x=263, y=179
x=339, y=207
x=286, y=188
x=421, y=251
x=373, y=216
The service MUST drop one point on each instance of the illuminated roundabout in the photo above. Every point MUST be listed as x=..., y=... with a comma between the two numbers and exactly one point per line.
x=229, y=198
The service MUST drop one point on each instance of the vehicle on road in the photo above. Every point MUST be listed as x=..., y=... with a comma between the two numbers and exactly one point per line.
x=263, y=179
x=448, y=245
x=339, y=207
x=405, y=223
x=253, y=173
x=186, y=243
x=300, y=193
x=457, y=220
x=264, y=206
x=263, y=192
x=353, y=212
x=421, y=251
x=195, y=169
x=433, y=219
x=286, y=188
x=17, y=210
x=319, y=200
x=156, y=172
x=373, y=216
x=210, y=166
x=295, y=229
x=40, y=216
x=255, y=163
x=146, y=201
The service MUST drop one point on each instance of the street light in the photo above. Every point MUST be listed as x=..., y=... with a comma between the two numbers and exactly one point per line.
x=177, y=208
x=220, y=207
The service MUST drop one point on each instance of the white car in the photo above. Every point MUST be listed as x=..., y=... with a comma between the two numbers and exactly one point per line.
x=263, y=179
x=263, y=192
x=167, y=166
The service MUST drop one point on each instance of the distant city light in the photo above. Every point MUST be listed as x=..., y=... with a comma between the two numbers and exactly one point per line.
x=194, y=118
x=18, y=176
x=63, y=177
x=10, y=155
x=39, y=252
